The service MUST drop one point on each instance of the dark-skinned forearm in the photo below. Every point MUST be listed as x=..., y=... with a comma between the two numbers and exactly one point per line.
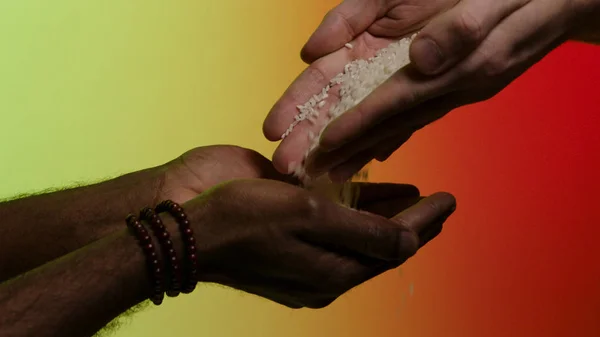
x=41, y=228
x=79, y=293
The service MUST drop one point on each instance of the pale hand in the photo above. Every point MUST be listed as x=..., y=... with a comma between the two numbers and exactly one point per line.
x=468, y=52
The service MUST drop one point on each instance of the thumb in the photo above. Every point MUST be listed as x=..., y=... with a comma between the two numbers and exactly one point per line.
x=340, y=26
x=363, y=234
x=426, y=218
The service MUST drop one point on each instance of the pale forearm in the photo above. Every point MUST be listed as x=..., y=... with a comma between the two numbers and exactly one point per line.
x=41, y=228
x=77, y=294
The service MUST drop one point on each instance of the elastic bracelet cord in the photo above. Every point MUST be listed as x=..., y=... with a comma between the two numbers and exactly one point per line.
x=166, y=245
x=187, y=236
x=154, y=267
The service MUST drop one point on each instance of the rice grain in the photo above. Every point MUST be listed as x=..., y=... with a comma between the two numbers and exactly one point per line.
x=359, y=78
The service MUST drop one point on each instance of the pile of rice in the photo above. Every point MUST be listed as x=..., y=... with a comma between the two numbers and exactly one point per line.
x=357, y=81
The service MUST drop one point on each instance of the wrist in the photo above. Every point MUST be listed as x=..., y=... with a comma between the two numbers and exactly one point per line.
x=199, y=215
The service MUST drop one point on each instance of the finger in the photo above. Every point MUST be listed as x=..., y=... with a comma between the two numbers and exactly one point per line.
x=292, y=149
x=427, y=213
x=520, y=41
x=453, y=35
x=393, y=132
x=405, y=89
x=374, y=192
x=379, y=199
x=400, y=93
x=357, y=233
x=386, y=149
x=320, y=161
x=430, y=234
x=344, y=229
x=341, y=25
x=345, y=171
x=390, y=207
x=312, y=81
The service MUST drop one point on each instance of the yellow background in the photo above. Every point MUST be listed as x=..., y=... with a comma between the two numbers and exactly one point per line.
x=94, y=89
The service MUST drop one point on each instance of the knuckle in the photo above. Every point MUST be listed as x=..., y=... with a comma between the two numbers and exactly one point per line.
x=339, y=17
x=469, y=27
x=494, y=66
x=486, y=63
x=403, y=222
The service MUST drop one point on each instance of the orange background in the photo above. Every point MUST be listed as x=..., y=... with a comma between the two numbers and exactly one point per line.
x=519, y=258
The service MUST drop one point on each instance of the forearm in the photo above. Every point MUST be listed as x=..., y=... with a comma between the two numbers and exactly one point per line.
x=79, y=293
x=41, y=228
x=588, y=26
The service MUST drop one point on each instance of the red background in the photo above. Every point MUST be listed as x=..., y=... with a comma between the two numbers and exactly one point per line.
x=521, y=256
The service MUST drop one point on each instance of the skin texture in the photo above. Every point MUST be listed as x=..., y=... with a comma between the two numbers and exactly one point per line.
x=466, y=52
x=80, y=216
x=255, y=232
x=77, y=294
x=299, y=249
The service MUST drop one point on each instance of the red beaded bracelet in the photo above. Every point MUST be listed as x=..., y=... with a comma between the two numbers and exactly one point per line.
x=154, y=268
x=187, y=236
x=170, y=256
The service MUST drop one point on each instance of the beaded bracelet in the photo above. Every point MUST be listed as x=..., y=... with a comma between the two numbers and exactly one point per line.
x=187, y=236
x=164, y=239
x=154, y=268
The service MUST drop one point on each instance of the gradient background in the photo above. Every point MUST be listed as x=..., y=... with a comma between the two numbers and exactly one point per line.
x=90, y=90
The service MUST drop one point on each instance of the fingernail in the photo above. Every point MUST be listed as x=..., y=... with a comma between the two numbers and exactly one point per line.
x=428, y=57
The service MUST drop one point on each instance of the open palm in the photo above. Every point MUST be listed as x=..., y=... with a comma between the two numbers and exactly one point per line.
x=368, y=25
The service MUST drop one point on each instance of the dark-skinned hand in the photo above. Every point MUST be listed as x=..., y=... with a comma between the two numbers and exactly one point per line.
x=299, y=249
